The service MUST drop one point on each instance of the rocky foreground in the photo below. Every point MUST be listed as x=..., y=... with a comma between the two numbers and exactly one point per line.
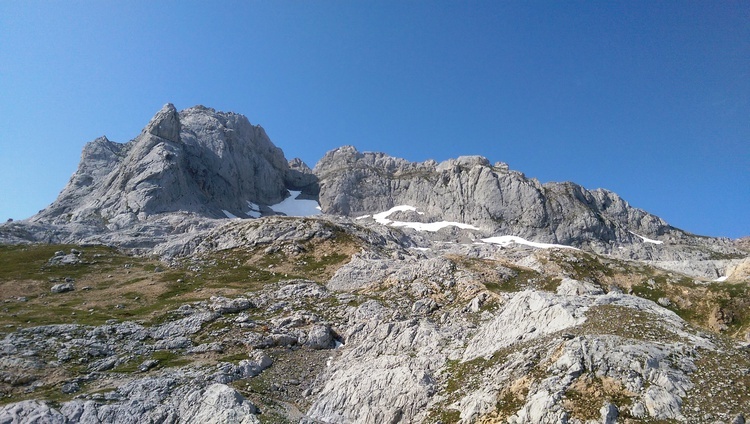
x=180, y=277
x=336, y=321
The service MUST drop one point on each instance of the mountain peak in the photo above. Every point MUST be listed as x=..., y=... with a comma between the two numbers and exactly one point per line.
x=165, y=124
x=216, y=164
x=198, y=161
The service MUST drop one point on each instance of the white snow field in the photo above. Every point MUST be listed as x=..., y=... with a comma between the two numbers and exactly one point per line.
x=382, y=218
x=507, y=240
x=254, y=211
x=292, y=206
x=229, y=215
x=646, y=239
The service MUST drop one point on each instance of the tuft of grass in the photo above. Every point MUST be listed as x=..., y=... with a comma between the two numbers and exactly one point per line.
x=627, y=323
x=586, y=267
x=169, y=359
x=166, y=358
x=649, y=291
x=500, y=277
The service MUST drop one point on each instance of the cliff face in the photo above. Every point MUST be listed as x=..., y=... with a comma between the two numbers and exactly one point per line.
x=198, y=161
x=493, y=198
x=471, y=190
x=187, y=169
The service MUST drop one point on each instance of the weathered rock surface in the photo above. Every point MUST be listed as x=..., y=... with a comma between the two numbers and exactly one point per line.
x=147, y=400
x=187, y=171
x=198, y=161
x=472, y=191
x=62, y=288
x=422, y=339
x=383, y=324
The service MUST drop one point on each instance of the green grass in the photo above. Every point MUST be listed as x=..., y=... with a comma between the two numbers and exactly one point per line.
x=169, y=359
x=734, y=299
x=445, y=416
x=627, y=323
x=166, y=358
x=588, y=267
x=646, y=291
x=700, y=300
x=314, y=266
x=112, y=278
x=30, y=262
x=52, y=394
x=459, y=378
x=233, y=357
x=523, y=279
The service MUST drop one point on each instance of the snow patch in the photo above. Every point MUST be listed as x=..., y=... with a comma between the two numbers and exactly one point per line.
x=507, y=240
x=721, y=279
x=229, y=215
x=382, y=218
x=647, y=240
x=292, y=206
x=362, y=217
x=432, y=226
x=254, y=211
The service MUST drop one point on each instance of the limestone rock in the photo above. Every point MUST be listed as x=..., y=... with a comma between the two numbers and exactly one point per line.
x=609, y=414
x=471, y=191
x=219, y=404
x=739, y=271
x=61, y=258
x=301, y=177
x=571, y=287
x=31, y=411
x=183, y=327
x=222, y=305
x=529, y=314
x=319, y=337
x=252, y=367
x=62, y=288
x=197, y=160
x=415, y=324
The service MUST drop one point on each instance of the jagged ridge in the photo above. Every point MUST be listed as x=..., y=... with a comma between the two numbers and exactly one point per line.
x=198, y=161
x=186, y=169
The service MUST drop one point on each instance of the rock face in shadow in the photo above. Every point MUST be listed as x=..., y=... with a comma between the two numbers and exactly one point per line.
x=197, y=161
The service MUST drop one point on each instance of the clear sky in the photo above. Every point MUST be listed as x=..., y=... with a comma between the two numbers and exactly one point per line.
x=650, y=99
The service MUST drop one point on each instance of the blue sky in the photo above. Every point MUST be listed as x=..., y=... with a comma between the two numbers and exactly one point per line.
x=650, y=99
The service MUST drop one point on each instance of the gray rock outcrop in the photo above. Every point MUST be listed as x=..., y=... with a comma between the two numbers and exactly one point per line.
x=198, y=161
x=497, y=200
x=457, y=332
x=62, y=288
x=188, y=171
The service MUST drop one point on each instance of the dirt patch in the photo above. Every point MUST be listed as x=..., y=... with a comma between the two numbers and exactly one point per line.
x=588, y=394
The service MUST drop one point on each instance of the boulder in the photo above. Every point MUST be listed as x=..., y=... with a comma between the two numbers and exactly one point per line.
x=319, y=337
x=62, y=288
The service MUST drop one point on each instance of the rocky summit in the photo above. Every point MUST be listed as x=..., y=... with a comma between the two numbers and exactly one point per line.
x=195, y=275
